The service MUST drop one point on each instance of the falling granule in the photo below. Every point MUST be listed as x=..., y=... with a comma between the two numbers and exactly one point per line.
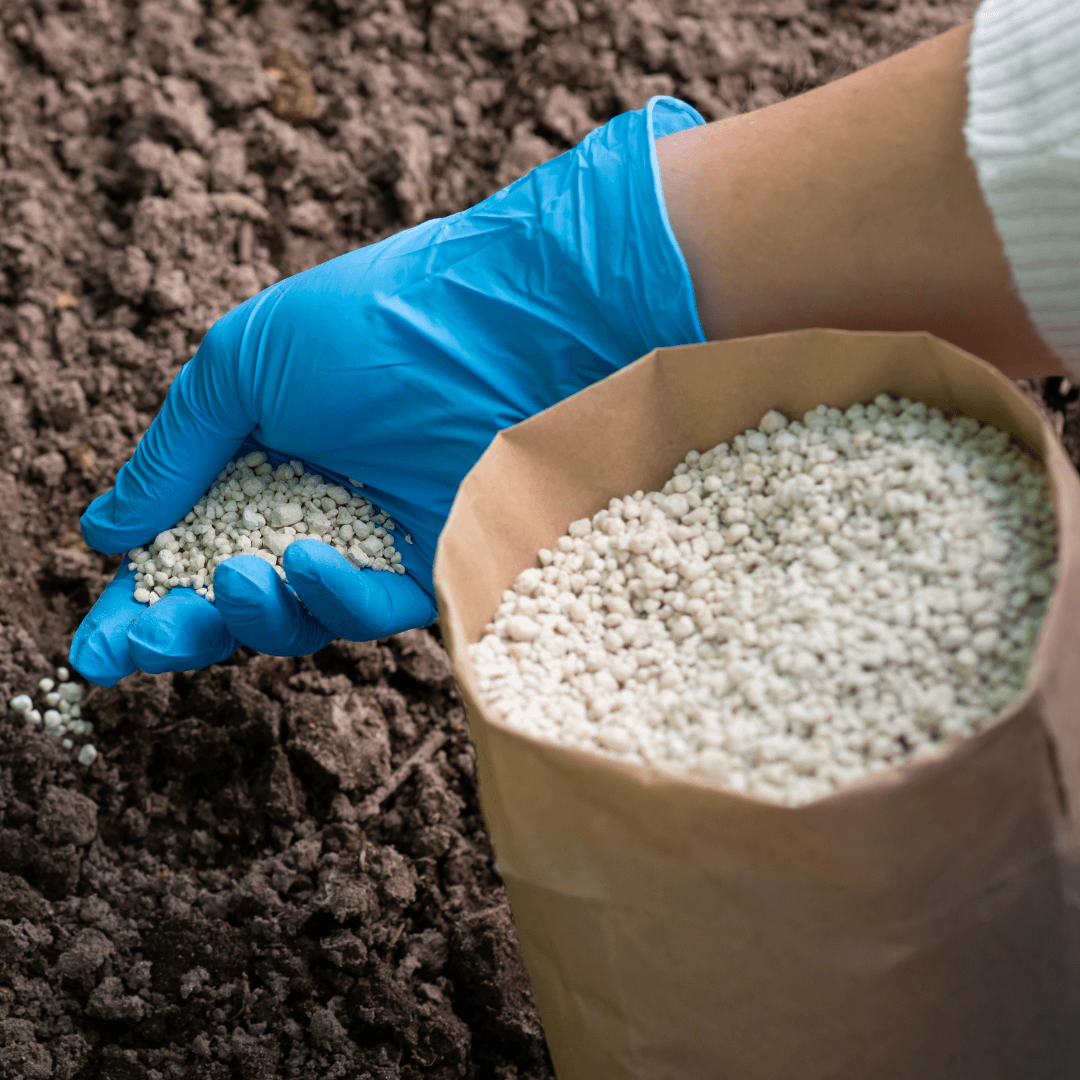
x=62, y=717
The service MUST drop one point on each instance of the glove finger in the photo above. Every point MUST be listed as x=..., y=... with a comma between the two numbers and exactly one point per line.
x=360, y=605
x=99, y=651
x=261, y=611
x=181, y=632
x=199, y=427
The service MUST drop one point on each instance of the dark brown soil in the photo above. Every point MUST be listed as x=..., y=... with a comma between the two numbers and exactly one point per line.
x=277, y=868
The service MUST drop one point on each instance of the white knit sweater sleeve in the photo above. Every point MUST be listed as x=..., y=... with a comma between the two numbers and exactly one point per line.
x=1023, y=136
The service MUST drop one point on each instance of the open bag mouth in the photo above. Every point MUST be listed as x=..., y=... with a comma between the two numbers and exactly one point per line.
x=869, y=889
x=567, y=462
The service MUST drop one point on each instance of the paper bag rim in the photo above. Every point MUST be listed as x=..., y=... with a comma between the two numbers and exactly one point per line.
x=1047, y=448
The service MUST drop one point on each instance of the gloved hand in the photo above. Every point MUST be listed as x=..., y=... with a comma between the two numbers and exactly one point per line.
x=395, y=364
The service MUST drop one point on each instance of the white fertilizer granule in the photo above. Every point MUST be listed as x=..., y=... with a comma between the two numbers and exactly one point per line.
x=814, y=603
x=255, y=509
x=62, y=717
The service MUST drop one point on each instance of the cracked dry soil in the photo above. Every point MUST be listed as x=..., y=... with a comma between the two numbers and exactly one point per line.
x=277, y=867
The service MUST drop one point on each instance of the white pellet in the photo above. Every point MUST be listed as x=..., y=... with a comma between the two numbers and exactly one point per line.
x=22, y=703
x=46, y=685
x=254, y=509
x=62, y=674
x=809, y=604
x=522, y=628
x=286, y=514
x=87, y=754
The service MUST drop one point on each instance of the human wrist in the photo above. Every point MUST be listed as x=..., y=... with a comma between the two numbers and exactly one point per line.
x=853, y=206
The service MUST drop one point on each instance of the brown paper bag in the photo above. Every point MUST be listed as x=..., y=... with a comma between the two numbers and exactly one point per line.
x=918, y=926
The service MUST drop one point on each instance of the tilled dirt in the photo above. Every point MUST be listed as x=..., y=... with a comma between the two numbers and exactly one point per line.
x=277, y=868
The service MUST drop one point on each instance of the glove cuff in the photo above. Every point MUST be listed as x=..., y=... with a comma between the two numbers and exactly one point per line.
x=666, y=115
x=593, y=240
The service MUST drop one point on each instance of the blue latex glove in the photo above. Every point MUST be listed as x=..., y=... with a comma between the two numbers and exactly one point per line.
x=395, y=364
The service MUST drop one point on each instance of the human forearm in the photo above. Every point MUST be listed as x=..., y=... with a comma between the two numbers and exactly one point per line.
x=852, y=206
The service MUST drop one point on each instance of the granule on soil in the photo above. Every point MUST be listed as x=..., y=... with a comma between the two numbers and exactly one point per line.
x=814, y=603
x=60, y=713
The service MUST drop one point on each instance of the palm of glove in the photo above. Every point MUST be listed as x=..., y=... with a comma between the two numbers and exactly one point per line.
x=396, y=365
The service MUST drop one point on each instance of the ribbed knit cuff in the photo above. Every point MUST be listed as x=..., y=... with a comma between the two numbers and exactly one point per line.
x=1023, y=136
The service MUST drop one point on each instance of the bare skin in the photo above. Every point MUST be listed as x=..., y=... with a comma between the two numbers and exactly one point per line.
x=851, y=206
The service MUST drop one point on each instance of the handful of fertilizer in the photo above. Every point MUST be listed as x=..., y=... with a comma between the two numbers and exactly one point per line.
x=255, y=509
